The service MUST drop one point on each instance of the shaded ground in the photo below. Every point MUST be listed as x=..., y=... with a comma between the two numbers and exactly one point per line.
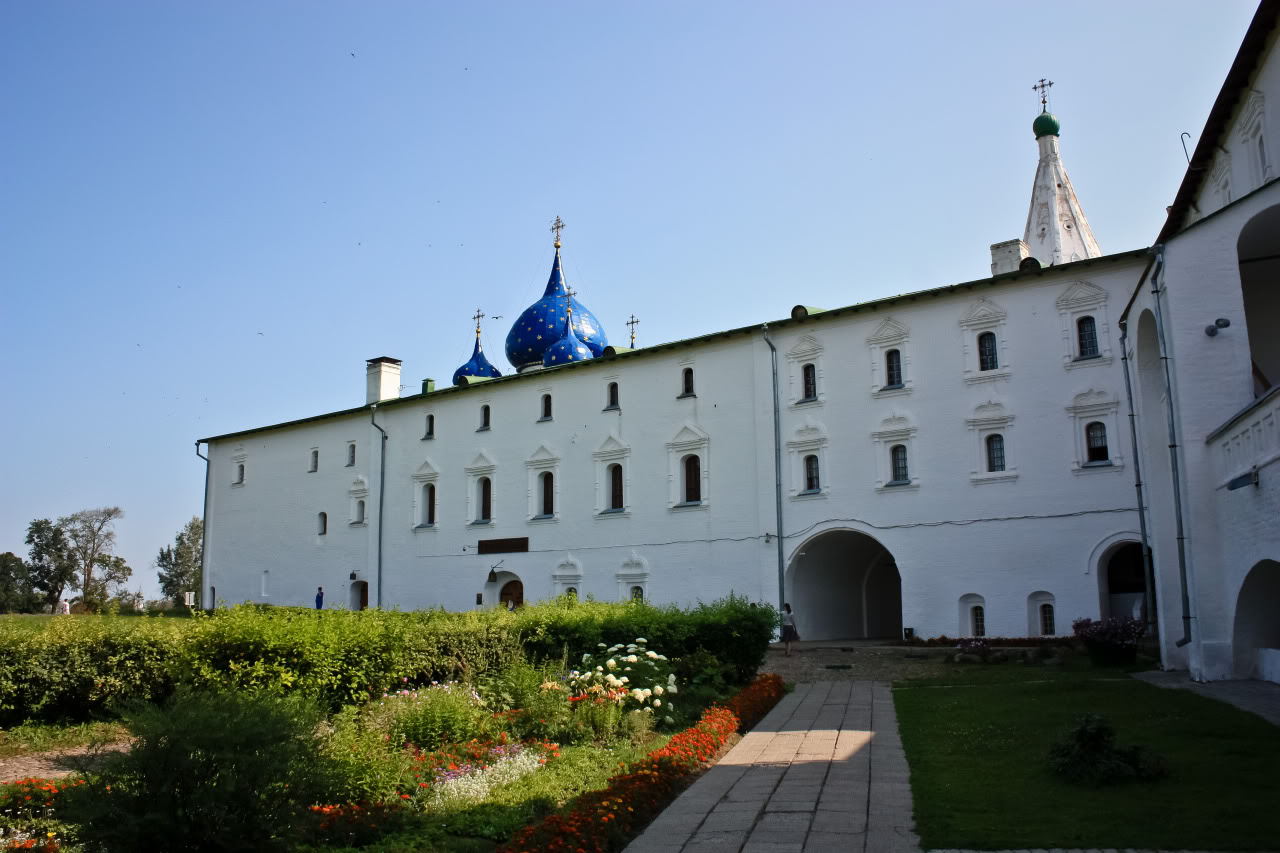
x=864, y=662
x=48, y=765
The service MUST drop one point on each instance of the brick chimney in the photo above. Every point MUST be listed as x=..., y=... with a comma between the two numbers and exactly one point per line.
x=383, y=379
x=1008, y=256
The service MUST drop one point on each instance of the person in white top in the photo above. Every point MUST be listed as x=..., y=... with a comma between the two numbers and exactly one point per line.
x=65, y=607
x=789, y=634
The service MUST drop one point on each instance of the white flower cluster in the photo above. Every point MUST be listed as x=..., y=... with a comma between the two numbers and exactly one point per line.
x=475, y=786
x=629, y=673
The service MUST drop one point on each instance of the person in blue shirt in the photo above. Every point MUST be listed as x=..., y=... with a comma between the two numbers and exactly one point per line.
x=319, y=598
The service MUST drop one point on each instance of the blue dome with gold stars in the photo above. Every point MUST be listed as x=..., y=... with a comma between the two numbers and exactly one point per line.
x=477, y=366
x=566, y=350
x=542, y=326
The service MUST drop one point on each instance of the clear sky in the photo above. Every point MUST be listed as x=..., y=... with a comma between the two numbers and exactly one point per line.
x=212, y=213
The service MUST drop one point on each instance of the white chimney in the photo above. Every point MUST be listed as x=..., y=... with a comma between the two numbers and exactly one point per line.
x=1008, y=256
x=383, y=379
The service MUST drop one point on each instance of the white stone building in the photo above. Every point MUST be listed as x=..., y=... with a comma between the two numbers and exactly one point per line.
x=955, y=461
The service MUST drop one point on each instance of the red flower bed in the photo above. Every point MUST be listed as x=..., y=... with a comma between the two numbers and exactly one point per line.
x=604, y=821
x=752, y=702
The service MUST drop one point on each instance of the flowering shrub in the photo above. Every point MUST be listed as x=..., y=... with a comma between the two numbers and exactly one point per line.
x=355, y=824
x=1110, y=641
x=630, y=676
x=979, y=646
x=431, y=717
x=27, y=813
x=752, y=702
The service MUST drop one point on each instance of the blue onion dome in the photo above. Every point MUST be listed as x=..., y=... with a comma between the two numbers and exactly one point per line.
x=568, y=349
x=477, y=366
x=542, y=324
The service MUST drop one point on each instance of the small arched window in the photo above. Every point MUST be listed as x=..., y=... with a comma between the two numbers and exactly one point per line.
x=428, y=503
x=240, y=473
x=431, y=427
x=995, y=452
x=1087, y=337
x=893, y=369
x=988, y=359
x=686, y=385
x=812, y=483
x=611, y=398
x=548, y=493
x=1047, y=628
x=484, y=417
x=266, y=583
x=322, y=523
x=359, y=512
x=1095, y=439
x=615, y=486
x=810, y=375
x=315, y=461
x=546, y=407
x=351, y=454
x=572, y=592
x=486, y=500
x=692, y=479
x=898, y=463
x=637, y=593
x=978, y=621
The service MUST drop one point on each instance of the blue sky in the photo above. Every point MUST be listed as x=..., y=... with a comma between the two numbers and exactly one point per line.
x=212, y=213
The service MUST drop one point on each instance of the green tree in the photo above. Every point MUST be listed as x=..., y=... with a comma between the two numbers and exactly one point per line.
x=16, y=594
x=51, y=566
x=113, y=573
x=92, y=535
x=179, y=566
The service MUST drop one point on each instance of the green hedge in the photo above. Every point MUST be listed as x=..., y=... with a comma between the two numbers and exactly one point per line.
x=82, y=666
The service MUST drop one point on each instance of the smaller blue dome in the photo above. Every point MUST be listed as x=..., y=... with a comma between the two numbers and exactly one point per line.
x=477, y=366
x=566, y=350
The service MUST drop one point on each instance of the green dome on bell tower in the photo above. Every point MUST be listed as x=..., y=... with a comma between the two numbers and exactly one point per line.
x=1046, y=124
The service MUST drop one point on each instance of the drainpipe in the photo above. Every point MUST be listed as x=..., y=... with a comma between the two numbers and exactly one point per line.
x=204, y=536
x=1173, y=452
x=382, y=490
x=1148, y=569
x=777, y=464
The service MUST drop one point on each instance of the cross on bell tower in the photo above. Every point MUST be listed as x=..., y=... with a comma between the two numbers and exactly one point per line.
x=632, y=323
x=1043, y=88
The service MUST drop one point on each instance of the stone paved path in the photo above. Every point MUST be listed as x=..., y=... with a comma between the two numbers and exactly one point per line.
x=1259, y=697
x=824, y=771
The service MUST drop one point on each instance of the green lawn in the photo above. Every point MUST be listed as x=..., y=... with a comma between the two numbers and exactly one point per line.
x=41, y=737
x=977, y=745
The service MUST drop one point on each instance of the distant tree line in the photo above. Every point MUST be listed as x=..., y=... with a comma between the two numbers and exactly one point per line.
x=72, y=559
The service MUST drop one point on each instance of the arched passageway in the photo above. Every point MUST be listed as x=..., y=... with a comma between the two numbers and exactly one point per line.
x=1122, y=584
x=845, y=585
x=359, y=595
x=512, y=595
x=1258, y=253
x=1257, y=623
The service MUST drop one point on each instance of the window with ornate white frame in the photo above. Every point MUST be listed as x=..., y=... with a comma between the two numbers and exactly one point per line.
x=425, y=516
x=973, y=615
x=890, y=335
x=895, y=430
x=808, y=439
x=543, y=461
x=689, y=441
x=1219, y=182
x=1083, y=299
x=238, y=462
x=807, y=350
x=481, y=466
x=612, y=451
x=1253, y=139
x=567, y=575
x=984, y=316
x=1086, y=408
x=991, y=419
x=1039, y=623
x=357, y=496
x=633, y=572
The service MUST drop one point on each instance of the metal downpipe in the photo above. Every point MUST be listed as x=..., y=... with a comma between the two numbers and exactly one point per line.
x=382, y=490
x=1148, y=568
x=777, y=465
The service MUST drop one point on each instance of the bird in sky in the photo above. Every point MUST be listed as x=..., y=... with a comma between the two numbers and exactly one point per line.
x=261, y=334
x=353, y=56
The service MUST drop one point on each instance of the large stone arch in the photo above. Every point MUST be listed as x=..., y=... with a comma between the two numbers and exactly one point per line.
x=844, y=584
x=1255, y=635
x=1258, y=254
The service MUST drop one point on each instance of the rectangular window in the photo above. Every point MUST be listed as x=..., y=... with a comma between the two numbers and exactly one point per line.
x=987, y=357
x=979, y=621
x=315, y=461
x=898, y=456
x=1047, y=628
x=893, y=368
x=810, y=374
x=1087, y=334
x=351, y=454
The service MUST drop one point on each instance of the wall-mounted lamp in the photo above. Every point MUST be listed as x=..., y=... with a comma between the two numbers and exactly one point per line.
x=767, y=537
x=1220, y=323
x=493, y=572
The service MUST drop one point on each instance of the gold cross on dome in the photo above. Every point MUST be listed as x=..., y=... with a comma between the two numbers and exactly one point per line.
x=633, y=322
x=1043, y=88
x=569, y=293
x=556, y=228
x=478, y=317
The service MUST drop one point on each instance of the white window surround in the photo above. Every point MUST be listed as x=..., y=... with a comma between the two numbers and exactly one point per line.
x=567, y=575
x=990, y=418
x=427, y=474
x=612, y=451
x=1087, y=407
x=1252, y=128
x=1034, y=600
x=895, y=429
x=237, y=460
x=806, y=350
x=889, y=335
x=542, y=461
x=969, y=601
x=481, y=466
x=633, y=572
x=358, y=492
x=1220, y=181
x=984, y=316
x=1083, y=299
x=689, y=440
x=808, y=439
x=351, y=456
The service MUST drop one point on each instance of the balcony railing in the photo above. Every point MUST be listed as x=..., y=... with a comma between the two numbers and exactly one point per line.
x=1249, y=440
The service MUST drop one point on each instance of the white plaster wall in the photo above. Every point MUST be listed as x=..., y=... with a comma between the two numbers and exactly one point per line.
x=703, y=553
